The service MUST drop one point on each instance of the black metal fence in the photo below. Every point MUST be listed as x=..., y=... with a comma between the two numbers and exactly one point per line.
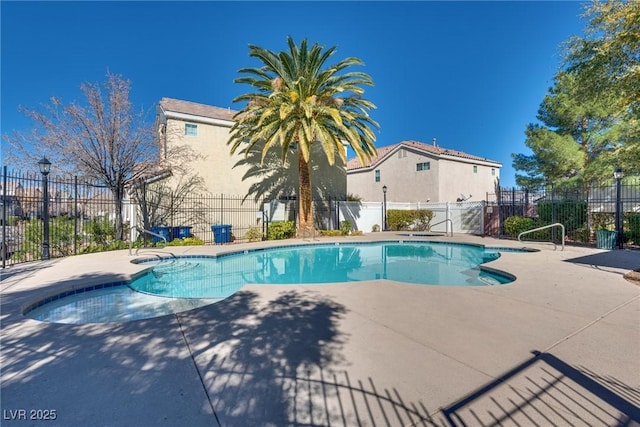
x=80, y=214
x=163, y=208
x=581, y=209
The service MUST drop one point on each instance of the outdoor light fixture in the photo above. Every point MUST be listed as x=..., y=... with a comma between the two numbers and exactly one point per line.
x=45, y=167
x=384, y=208
x=617, y=174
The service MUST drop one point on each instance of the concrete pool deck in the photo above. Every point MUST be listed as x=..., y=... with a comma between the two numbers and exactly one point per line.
x=559, y=346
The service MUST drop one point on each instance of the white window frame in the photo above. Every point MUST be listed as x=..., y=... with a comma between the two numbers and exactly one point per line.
x=423, y=166
x=193, y=127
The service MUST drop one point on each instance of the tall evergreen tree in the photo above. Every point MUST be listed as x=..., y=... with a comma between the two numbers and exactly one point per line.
x=606, y=63
x=570, y=139
x=589, y=120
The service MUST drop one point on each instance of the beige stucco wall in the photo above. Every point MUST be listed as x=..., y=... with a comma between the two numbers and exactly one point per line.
x=217, y=165
x=443, y=182
x=398, y=173
x=457, y=177
x=222, y=175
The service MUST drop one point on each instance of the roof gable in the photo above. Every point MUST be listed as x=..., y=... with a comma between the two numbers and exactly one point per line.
x=385, y=152
x=195, y=109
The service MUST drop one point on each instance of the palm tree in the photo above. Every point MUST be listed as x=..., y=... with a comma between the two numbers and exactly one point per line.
x=297, y=104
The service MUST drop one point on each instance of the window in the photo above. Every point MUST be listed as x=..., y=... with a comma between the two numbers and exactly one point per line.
x=190, y=129
x=377, y=175
x=423, y=166
x=493, y=172
x=475, y=169
x=402, y=154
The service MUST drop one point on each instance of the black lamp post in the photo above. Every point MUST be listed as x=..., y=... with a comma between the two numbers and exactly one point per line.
x=617, y=174
x=45, y=168
x=384, y=204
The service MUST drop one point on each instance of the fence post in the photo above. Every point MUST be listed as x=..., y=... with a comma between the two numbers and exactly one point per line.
x=133, y=218
x=75, y=215
x=482, y=214
x=553, y=213
x=4, y=249
x=221, y=208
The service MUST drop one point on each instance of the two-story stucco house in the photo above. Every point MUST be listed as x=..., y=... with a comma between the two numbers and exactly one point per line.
x=414, y=171
x=206, y=129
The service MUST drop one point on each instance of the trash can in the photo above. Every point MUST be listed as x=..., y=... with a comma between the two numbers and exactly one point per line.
x=181, y=232
x=221, y=233
x=163, y=231
x=606, y=239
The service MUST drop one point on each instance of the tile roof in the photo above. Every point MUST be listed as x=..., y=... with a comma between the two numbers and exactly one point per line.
x=383, y=152
x=193, y=108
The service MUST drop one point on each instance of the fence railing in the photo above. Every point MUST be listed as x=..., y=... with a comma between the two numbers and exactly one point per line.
x=581, y=209
x=80, y=214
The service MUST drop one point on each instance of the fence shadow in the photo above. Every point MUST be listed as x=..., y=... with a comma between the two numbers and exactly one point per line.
x=545, y=390
x=622, y=259
x=280, y=362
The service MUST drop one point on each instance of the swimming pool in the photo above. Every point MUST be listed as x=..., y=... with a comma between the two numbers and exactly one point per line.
x=179, y=283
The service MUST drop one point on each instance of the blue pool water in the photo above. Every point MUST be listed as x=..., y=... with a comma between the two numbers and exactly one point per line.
x=418, y=263
x=185, y=282
x=112, y=304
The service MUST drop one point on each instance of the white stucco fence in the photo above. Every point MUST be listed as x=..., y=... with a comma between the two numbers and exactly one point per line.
x=466, y=217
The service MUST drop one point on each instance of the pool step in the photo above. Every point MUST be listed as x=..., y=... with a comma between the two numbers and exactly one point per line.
x=172, y=267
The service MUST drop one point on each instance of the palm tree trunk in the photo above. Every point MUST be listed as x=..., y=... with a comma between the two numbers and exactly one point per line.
x=305, y=213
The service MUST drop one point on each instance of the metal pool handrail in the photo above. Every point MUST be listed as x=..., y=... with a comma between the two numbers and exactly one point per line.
x=557, y=224
x=446, y=228
x=142, y=230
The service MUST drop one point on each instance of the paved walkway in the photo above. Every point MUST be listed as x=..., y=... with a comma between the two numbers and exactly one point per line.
x=559, y=346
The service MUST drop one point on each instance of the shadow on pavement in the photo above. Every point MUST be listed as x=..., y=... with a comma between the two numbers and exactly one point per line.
x=545, y=390
x=619, y=259
x=280, y=363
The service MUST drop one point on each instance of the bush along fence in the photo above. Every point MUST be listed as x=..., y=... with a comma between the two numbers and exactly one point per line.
x=81, y=216
x=585, y=211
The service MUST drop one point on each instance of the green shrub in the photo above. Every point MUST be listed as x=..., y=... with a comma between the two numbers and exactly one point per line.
x=281, y=230
x=570, y=213
x=375, y=228
x=114, y=245
x=187, y=241
x=331, y=233
x=12, y=220
x=602, y=220
x=423, y=219
x=61, y=235
x=346, y=227
x=632, y=226
x=409, y=219
x=514, y=225
x=101, y=230
x=581, y=235
x=254, y=234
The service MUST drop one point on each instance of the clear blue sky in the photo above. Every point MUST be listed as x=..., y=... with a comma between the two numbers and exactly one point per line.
x=471, y=74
